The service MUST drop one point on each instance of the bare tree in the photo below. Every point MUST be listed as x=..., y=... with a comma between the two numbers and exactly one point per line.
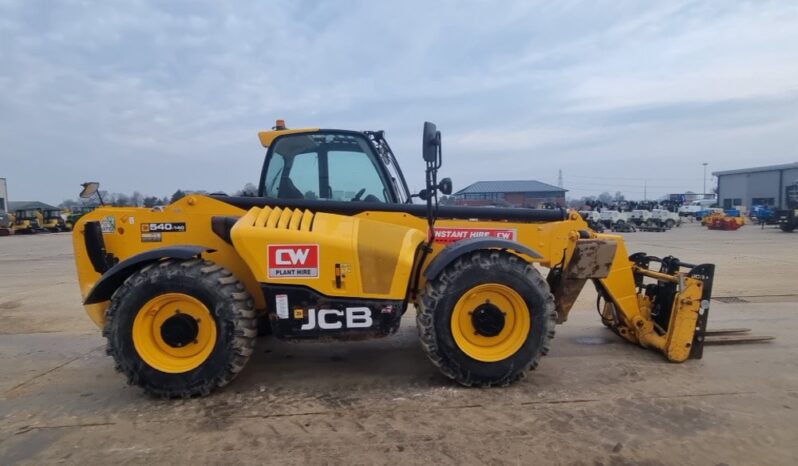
x=69, y=204
x=151, y=201
x=179, y=194
x=249, y=190
x=136, y=199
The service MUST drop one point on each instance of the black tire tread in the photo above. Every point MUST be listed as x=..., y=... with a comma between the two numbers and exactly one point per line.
x=211, y=275
x=426, y=305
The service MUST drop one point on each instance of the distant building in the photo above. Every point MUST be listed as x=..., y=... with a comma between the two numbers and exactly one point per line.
x=511, y=193
x=29, y=205
x=755, y=186
x=3, y=195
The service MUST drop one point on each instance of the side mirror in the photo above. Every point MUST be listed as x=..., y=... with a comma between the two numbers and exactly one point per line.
x=89, y=189
x=445, y=186
x=431, y=142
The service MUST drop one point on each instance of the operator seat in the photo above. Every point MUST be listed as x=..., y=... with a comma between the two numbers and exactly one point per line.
x=288, y=190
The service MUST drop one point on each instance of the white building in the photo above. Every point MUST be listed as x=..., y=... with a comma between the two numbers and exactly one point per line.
x=3, y=195
x=756, y=186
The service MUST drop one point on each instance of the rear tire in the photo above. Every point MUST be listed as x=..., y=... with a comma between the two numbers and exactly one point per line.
x=217, y=314
x=669, y=224
x=787, y=228
x=529, y=324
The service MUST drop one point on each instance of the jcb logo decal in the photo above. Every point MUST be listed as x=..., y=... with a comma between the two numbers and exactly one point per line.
x=333, y=319
x=293, y=260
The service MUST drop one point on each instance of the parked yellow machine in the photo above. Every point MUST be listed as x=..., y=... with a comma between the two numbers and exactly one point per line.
x=51, y=220
x=26, y=221
x=74, y=214
x=334, y=248
x=6, y=224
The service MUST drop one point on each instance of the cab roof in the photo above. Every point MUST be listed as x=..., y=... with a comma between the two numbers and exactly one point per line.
x=267, y=137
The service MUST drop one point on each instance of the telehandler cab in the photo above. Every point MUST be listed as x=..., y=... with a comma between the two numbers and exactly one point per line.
x=334, y=248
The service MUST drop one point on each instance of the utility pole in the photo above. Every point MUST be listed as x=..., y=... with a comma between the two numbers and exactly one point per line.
x=645, y=190
x=705, y=181
x=559, y=178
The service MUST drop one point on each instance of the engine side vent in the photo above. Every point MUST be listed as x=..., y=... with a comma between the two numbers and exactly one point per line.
x=282, y=218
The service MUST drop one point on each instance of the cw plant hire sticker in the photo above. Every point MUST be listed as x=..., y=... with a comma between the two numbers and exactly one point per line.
x=293, y=260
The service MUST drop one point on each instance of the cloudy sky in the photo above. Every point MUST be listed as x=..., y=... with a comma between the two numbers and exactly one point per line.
x=155, y=96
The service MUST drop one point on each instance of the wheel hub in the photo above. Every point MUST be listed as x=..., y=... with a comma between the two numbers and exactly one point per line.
x=179, y=330
x=174, y=333
x=488, y=320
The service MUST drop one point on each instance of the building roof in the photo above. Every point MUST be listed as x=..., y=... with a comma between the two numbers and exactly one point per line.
x=510, y=186
x=784, y=166
x=28, y=205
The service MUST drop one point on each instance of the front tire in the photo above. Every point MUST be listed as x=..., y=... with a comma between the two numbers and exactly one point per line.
x=487, y=319
x=180, y=328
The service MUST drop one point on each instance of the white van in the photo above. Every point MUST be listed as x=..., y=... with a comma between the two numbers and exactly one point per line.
x=613, y=218
x=689, y=210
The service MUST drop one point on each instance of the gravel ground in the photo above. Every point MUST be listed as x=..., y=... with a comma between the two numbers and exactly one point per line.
x=593, y=400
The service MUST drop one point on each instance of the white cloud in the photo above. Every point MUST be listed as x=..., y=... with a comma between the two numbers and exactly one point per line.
x=132, y=93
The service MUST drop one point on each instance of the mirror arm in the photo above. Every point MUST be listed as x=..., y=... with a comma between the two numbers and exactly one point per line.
x=432, y=190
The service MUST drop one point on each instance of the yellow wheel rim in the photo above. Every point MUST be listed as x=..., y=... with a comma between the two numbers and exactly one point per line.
x=490, y=322
x=174, y=333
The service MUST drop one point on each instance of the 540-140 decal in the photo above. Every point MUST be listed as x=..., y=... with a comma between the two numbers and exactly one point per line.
x=153, y=232
x=176, y=227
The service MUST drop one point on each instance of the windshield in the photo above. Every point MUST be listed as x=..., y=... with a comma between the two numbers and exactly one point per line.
x=332, y=166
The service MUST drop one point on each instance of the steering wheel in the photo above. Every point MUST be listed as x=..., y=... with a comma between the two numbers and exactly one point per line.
x=359, y=193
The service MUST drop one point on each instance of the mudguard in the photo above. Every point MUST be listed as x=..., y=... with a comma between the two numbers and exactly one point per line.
x=451, y=253
x=116, y=275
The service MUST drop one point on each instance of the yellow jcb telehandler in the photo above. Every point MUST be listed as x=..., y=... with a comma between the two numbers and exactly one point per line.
x=335, y=248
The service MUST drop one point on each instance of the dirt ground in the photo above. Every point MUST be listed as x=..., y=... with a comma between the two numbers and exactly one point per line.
x=593, y=400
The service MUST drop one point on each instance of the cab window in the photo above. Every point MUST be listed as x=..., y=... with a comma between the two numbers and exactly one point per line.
x=331, y=166
x=305, y=175
x=351, y=172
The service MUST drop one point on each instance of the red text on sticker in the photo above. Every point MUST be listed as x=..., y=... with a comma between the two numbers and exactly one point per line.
x=451, y=235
